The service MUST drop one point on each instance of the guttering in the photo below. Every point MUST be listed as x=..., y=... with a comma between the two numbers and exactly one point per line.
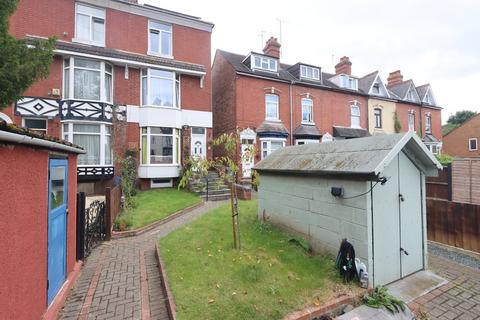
x=23, y=139
x=291, y=111
x=130, y=62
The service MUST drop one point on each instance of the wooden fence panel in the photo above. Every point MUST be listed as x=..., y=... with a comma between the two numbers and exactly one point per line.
x=454, y=223
x=461, y=181
x=113, y=201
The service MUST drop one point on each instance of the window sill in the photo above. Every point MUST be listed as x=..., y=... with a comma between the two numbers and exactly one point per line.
x=160, y=107
x=308, y=123
x=273, y=120
x=95, y=165
x=160, y=165
x=93, y=43
x=166, y=56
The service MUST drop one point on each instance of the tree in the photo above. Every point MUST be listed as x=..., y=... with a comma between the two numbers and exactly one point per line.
x=460, y=117
x=22, y=61
x=197, y=168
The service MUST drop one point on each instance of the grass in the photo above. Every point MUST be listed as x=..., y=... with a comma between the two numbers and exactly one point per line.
x=270, y=277
x=153, y=205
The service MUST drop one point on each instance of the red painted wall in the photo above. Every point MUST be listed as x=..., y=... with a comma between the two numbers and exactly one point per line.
x=24, y=225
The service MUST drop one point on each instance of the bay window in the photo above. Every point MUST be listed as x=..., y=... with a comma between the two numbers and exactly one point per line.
x=86, y=79
x=160, y=88
x=355, y=115
x=307, y=110
x=271, y=107
x=89, y=24
x=94, y=139
x=160, y=145
x=159, y=38
x=270, y=145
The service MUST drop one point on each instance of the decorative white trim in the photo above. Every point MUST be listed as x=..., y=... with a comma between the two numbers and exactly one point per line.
x=248, y=134
x=5, y=118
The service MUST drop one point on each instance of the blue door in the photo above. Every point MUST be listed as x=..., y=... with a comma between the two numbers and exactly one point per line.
x=57, y=226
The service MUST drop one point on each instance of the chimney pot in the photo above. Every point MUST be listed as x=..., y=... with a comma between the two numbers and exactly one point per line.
x=344, y=66
x=272, y=47
x=394, y=78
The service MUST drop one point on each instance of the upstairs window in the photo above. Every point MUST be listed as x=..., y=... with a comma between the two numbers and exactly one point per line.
x=271, y=107
x=89, y=24
x=472, y=144
x=159, y=38
x=428, y=123
x=411, y=121
x=348, y=82
x=377, y=113
x=86, y=79
x=376, y=88
x=160, y=88
x=355, y=115
x=310, y=73
x=264, y=63
x=307, y=110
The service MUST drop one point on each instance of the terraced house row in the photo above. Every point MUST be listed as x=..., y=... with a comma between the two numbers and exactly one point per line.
x=129, y=76
x=124, y=76
x=275, y=104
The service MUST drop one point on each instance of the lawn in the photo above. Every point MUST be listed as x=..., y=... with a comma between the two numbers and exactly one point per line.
x=153, y=205
x=267, y=279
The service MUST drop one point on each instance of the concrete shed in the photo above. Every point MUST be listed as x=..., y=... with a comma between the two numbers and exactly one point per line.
x=379, y=201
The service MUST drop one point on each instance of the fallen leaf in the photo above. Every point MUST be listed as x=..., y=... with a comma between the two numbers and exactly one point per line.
x=217, y=285
x=234, y=293
x=211, y=301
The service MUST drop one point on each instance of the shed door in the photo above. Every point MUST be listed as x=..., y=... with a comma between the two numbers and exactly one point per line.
x=57, y=226
x=411, y=222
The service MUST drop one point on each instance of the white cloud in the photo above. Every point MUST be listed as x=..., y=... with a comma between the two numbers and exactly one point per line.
x=431, y=41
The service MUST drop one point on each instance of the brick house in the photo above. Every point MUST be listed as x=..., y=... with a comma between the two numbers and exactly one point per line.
x=124, y=76
x=463, y=141
x=417, y=109
x=276, y=104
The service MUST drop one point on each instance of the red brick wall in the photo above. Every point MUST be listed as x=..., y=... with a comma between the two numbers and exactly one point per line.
x=402, y=112
x=420, y=111
x=330, y=108
x=223, y=91
x=24, y=178
x=436, y=121
x=456, y=142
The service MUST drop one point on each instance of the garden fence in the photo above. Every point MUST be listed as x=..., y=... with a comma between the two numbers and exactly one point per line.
x=113, y=202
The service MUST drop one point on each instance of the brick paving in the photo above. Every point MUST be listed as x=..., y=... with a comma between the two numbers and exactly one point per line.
x=459, y=299
x=121, y=280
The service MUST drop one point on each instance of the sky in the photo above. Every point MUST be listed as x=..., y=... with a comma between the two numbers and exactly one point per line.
x=430, y=41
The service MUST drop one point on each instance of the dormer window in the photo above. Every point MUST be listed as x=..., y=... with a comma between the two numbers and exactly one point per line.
x=264, y=63
x=348, y=82
x=308, y=72
x=376, y=88
x=412, y=95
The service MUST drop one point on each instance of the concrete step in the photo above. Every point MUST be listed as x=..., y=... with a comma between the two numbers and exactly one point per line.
x=220, y=191
x=216, y=197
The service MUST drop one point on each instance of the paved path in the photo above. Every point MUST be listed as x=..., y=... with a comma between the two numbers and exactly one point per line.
x=121, y=279
x=459, y=299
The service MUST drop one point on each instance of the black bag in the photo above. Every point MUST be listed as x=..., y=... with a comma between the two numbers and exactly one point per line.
x=346, y=261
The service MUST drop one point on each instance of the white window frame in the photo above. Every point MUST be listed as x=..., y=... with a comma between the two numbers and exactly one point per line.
x=304, y=72
x=306, y=141
x=380, y=126
x=176, y=77
x=35, y=129
x=268, y=147
x=160, y=32
x=92, y=13
x=348, y=82
x=353, y=116
x=278, y=107
x=470, y=146
x=428, y=123
x=263, y=59
x=71, y=79
x=176, y=145
x=305, y=100
x=411, y=124
x=104, y=131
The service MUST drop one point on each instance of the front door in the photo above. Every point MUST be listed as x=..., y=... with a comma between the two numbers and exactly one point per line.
x=247, y=157
x=198, y=143
x=57, y=226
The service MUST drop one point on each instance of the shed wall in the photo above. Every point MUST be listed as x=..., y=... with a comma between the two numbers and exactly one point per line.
x=305, y=205
x=24, y=225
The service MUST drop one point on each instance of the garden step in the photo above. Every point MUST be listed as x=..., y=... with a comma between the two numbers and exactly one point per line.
x=220, y=191
x=216, y=197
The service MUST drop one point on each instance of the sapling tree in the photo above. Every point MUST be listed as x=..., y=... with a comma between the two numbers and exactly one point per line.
x=228, y=165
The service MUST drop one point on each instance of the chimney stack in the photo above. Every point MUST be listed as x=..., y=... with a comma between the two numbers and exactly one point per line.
x=272, y=47
x=344, y=66
x=394, y=78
